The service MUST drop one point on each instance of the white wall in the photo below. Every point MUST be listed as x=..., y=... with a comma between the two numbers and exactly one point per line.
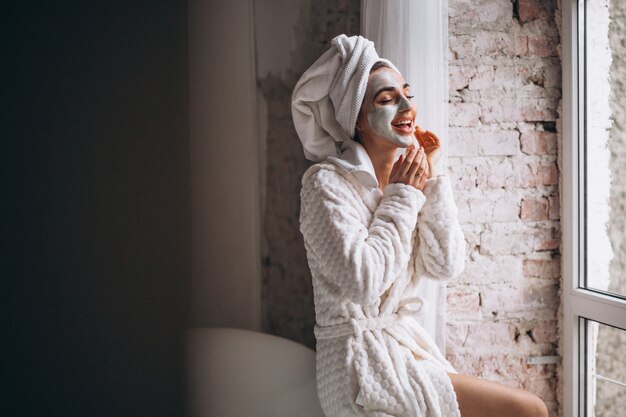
x=225, y=172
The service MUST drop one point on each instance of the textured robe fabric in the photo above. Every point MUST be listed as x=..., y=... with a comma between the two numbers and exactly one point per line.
x=367, y=250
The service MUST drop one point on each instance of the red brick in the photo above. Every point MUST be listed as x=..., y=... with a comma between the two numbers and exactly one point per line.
x=534, y=209
x=547, y=239
x=463, y=301
x=536, y=174
x=542, y=268
x=539, y=143
x=528, y=10
x=554, y=210
x=542, y=46
x=538, y=110
x=521, y=45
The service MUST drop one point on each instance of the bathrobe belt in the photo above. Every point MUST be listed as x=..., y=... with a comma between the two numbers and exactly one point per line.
x=353, y=327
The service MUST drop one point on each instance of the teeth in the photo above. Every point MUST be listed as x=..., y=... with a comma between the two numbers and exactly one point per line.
x=405, y=122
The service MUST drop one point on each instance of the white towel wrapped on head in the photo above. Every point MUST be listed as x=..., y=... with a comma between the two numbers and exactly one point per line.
x=326, y=100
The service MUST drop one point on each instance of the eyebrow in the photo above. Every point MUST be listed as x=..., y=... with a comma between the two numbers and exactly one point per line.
x=389, y=88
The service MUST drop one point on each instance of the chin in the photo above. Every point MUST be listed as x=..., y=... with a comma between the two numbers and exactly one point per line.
x=405, y=141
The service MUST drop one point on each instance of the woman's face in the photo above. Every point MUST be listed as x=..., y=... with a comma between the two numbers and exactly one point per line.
x=387, y=111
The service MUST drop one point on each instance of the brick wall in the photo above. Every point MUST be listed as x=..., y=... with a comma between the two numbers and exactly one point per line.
x=505, y=89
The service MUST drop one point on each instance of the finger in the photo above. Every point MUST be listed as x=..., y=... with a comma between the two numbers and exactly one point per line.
x=413, y=170
x=433, y=138
x=406, y=165
x=420, y=156
x=422, y=171
x=424, y=158
x=421, y=168
x=422, y=181
x=416, y=168
x=396, y=165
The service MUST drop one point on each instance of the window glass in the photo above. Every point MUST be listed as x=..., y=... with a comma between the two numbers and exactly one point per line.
x=604, y=140
x=605, y=369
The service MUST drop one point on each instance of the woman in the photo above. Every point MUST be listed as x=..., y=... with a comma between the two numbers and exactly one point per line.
x=373, y=227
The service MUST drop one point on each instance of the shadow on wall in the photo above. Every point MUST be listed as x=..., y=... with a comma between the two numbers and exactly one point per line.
x=287, y=294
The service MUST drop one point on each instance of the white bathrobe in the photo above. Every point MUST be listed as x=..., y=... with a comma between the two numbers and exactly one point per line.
x=367, y=251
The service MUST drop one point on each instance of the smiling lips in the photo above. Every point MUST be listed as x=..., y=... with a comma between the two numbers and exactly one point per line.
x=403, y=125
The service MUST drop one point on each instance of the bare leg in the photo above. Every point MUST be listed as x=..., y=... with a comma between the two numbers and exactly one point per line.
x=481, y=398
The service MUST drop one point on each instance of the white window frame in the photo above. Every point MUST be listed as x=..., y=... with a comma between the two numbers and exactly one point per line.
x=578, y=302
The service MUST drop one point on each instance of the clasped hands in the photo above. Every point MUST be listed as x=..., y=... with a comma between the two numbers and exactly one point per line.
x=419, y=163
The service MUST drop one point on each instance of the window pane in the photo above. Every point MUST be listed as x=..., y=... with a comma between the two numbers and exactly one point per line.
x=605, y=369
x=605, y=145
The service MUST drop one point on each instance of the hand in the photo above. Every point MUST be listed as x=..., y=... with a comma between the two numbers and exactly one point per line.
x=412, y=169
x=432, y=146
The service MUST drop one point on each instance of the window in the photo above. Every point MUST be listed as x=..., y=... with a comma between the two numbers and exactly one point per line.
x=594, y=208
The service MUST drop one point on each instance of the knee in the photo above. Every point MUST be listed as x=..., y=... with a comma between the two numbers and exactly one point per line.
x=528, y=404
x=540, y=409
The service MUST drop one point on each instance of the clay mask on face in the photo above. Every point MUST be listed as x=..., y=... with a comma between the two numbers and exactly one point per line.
x=380, y=117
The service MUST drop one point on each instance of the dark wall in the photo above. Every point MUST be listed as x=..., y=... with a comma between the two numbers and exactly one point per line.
x=287, y=291
x=95, y=223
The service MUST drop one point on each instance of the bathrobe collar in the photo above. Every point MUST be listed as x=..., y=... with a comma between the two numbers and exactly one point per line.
x=353, y=158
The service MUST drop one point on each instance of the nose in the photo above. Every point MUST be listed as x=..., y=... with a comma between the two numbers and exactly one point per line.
x=405, y=104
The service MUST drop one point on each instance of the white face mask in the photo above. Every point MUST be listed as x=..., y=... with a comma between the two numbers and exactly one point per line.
x=391, y=115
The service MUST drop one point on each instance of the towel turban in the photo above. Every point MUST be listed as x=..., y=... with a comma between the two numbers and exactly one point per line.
x=326, y=100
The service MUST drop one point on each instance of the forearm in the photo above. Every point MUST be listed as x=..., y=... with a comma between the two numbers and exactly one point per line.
x=441, y=244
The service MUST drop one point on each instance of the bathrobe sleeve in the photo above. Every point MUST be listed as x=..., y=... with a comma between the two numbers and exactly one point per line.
x=363, y=260
x=441, y=243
